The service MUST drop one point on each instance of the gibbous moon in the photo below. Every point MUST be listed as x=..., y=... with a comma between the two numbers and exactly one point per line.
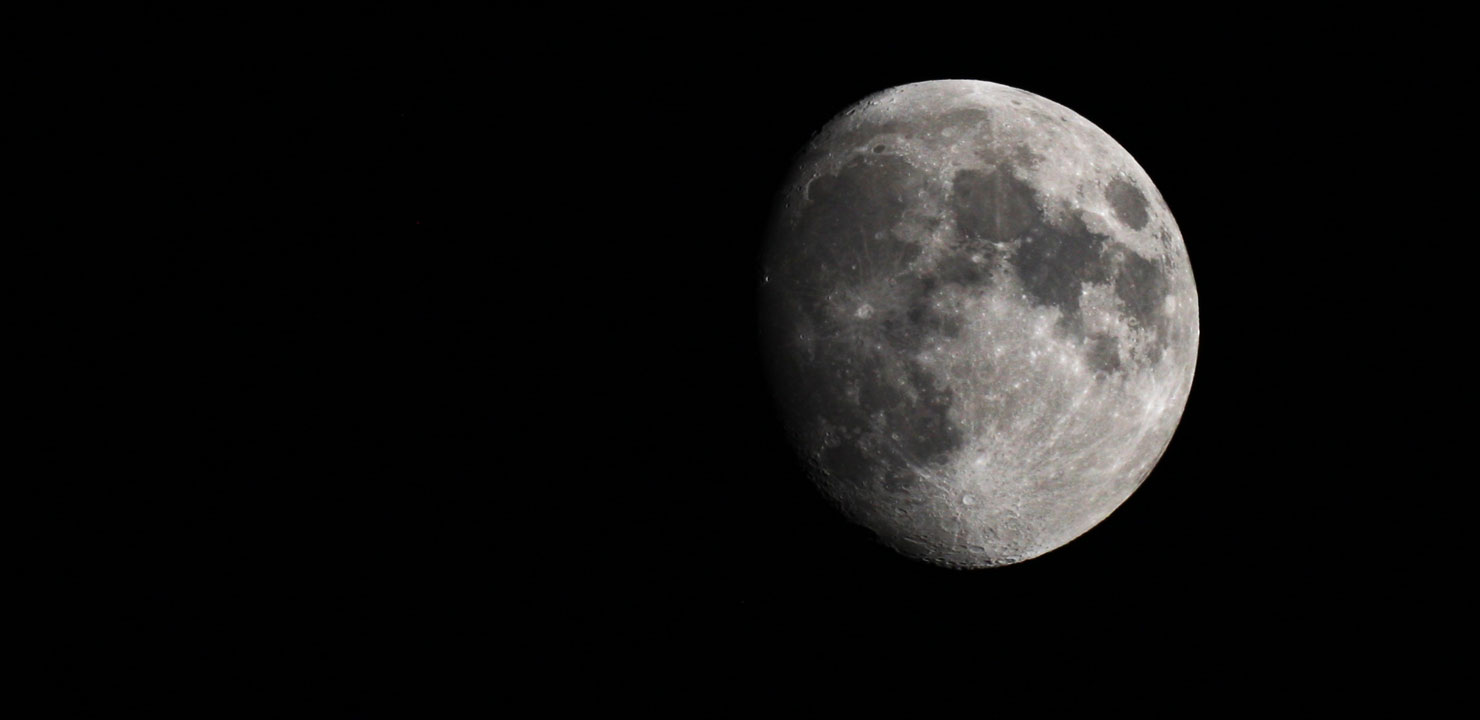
x=980, y=320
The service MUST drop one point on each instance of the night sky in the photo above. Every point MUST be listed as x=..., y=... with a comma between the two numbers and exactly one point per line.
x=441, y=352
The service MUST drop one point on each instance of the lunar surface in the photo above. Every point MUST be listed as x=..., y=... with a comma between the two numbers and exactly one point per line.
x=980, y=320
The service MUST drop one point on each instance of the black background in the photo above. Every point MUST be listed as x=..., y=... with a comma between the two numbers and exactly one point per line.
x=439, y=351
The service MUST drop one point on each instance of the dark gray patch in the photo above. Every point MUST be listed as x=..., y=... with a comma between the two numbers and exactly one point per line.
x=923, y=314
x=1142, y=288
x=924, y=428
x=916, y=428
x=911, y=320
x=1103, y=353
x=901, y=322
x=1055, y=262
x=902, y=333
x=1127, y=202
x=950, y=326
x=1025, y=156
x=958, y=269
x=879, y=148
x=845, y=235
x=843, y=241
x=991, y=206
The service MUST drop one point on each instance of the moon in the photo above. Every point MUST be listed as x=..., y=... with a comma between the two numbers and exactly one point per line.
x=979, y=319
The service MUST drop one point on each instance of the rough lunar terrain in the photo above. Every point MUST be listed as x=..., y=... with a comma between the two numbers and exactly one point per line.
x=981, y=320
